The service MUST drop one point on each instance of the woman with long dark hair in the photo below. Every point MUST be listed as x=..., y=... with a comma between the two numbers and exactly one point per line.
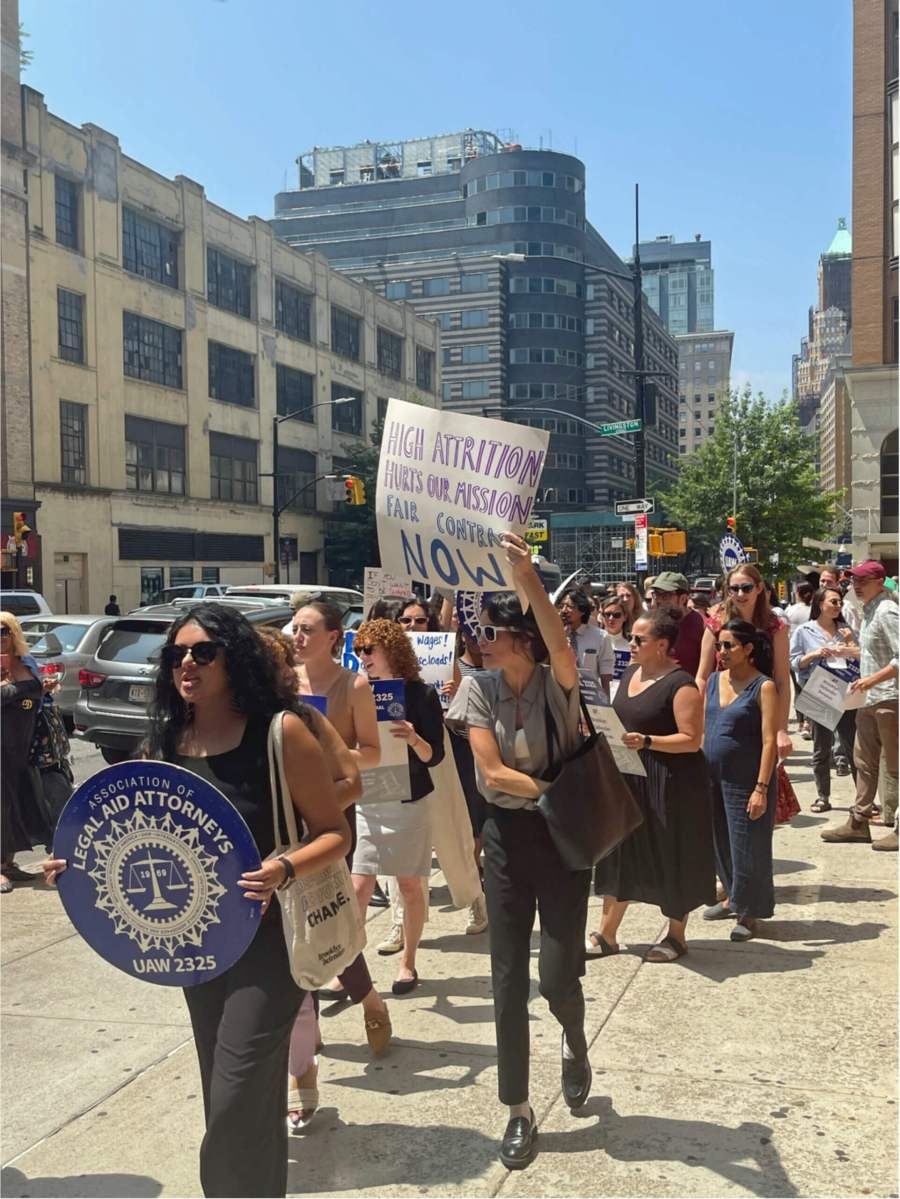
x=827, y=638
x=530, y=677
x=740, y=743
x=217, y=690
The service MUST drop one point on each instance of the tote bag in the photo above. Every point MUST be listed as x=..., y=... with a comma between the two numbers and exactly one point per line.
x=323, y=929
x=589, y=807
x=451, y=831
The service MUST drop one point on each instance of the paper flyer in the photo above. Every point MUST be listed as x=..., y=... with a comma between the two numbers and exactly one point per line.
x=826, y=697
x=607, y=722
x=390, y=779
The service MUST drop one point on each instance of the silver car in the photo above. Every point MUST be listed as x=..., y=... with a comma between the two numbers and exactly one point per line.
x=62, y=645
x=118, y=682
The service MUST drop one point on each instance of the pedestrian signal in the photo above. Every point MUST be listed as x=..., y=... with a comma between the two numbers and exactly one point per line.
x=20, y=528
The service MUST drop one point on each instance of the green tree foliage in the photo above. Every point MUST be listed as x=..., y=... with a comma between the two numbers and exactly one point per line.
x=779, y=498
x=351, y=538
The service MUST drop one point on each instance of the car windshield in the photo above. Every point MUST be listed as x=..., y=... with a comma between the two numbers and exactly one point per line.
x=186, y=592
x=68, y=635
x=132, y=641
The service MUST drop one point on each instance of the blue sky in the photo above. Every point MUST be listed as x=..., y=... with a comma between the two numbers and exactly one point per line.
x=734, y=118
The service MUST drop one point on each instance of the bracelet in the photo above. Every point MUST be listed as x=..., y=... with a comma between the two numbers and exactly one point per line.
x=289, y=871
x=761, y=787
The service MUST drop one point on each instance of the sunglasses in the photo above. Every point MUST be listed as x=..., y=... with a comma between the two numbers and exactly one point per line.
x=741, y=588
x=490, y=632
x=423, y=620
x=636, y=639
x=613, y=615
x=203, y=653
x=4, y=631
x=726, y=644
x=363, y=649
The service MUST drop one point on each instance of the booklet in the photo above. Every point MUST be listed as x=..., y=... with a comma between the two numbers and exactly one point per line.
x=389, y=780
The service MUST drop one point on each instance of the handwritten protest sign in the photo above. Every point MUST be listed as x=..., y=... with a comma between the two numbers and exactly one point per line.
x=435, y=652
x=381, y=584
x=449, y=485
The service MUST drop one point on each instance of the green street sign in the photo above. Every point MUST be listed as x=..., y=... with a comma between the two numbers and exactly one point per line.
x=619, y=426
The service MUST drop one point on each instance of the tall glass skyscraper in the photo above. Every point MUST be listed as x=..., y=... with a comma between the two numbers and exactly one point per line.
x=678, y=282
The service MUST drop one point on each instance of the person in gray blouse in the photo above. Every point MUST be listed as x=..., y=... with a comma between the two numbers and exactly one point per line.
x=530, y=668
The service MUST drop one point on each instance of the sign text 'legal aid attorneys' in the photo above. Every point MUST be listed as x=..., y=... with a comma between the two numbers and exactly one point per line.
x=449, y=485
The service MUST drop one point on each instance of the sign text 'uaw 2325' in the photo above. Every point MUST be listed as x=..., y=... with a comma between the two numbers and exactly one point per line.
x=154, y=856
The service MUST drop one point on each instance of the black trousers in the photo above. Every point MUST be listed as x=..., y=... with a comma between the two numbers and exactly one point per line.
x=523, y=873
x=242, y=1024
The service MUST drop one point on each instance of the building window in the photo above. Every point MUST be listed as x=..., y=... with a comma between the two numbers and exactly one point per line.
x=70, y=320
x=67, y=196
x=397, y=289
x=436, y=287
x=232, y=468
x=293, y=311
x=889, y=483
x=345, y=338
x=389, y=349
x=154, y=456
x=446, y=393
x=346, y=418
x=446, y=356
x=73, y=442
x=474, y=282
x=228, y=282
x=294, y=393
x=475, y=318
x=424, y=369
x=476, y=354
x=295, y=486
x=152, y=350
x=232, y=378
x=423, y=168
x=443, y=319
x=382, y=409
x=149, y=249
x=476, y=389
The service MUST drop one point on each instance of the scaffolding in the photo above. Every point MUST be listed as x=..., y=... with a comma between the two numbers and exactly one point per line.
x=601, y=550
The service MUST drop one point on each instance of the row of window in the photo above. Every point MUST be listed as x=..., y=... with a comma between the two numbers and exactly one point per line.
x=545, y=391
x=553, y=495
x=553, y=424
x=468, y=389
x=564, y=461
x=548, y=355
x=153, y=351
x=517, y=213
x=470, y=355
x=523, y=179
x=469, y=318
x=545, y=285
x=548, y=320
x=438, y=285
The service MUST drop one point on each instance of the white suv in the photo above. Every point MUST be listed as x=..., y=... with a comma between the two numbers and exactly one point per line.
x=24, y=603
x=343, y=597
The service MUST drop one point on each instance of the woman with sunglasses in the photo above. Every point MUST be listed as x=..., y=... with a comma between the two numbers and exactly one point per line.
x=614, y=618
x=417, y=617
x=394, y=837
x=217, y=690
x=826, y=640
x=668, y=860
x=746, y=599
x=21, y=691
x=741, y=752
x=530, y=673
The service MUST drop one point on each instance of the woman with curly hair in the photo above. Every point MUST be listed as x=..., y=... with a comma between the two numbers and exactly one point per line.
x=394, y=836
x=217, y=691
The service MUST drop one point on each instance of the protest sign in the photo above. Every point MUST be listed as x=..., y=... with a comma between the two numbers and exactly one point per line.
x=388, y=780
x=381, y=584
x=435, y=652
x=826, y=697
x=154, y=855
x=349, y=660
x=607, y=722
x=449, y=485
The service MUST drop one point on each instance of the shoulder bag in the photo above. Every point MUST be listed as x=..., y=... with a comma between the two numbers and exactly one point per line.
x=589, y=807
x=323, y=928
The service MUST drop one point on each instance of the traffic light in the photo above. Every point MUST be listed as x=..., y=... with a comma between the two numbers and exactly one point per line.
x=630, y=542
x=731, y=522
x=354, y=491
x=20, y=528
x=674, y=541
x=654, y=545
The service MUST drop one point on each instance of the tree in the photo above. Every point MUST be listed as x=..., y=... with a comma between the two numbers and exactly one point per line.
x=779, y=498
x=351, y=536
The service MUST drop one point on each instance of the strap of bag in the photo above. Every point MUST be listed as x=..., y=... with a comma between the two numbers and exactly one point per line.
x=552, y=731
x=278, y=785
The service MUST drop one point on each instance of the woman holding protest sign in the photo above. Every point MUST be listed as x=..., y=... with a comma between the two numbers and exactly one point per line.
x=394, y=837
x=217, y=691
x=529, y=689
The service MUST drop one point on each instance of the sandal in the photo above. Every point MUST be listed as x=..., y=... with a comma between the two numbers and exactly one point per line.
x=666, y=950
x=5, y=885
x=597, y=946
x=302, y=1106
x=820, y=805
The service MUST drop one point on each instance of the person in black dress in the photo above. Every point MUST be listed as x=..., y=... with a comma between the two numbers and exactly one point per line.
x=668, y=860
x=216, y=693
x=21, y=694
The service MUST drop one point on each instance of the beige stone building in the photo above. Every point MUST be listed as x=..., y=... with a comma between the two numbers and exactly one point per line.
x=167, y=334
x=834, y=429
x=704, y=379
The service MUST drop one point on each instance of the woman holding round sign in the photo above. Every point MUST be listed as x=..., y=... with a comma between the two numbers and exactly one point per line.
x=528, y=690
x=217, y=691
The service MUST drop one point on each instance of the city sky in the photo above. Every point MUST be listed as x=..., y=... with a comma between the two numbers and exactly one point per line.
x=734, y=119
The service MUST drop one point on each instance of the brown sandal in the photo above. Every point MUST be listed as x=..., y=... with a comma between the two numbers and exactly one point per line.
x=667, y=950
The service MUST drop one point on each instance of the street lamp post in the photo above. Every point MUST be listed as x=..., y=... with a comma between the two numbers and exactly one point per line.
x=276, y=509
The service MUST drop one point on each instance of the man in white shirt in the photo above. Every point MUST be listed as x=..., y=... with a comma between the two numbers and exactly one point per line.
x=593, y=648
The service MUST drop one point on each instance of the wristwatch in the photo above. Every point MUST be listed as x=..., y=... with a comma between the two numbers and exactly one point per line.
x=647, y=740
x=289, y=872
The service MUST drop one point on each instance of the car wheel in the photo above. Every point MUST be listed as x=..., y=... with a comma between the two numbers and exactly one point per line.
x=114, y=756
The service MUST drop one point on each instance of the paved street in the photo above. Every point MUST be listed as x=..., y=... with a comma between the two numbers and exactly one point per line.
x=764, y=1069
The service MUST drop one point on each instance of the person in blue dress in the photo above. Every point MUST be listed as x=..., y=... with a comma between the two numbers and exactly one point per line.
x=740, y=744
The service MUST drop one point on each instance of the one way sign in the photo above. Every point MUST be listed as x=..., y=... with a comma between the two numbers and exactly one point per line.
x=633, y=507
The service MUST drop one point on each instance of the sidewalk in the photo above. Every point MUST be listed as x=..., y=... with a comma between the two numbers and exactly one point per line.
x=765, y=1069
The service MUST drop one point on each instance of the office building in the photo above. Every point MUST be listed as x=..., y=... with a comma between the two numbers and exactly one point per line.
x=536, y=310
x=835, y=272
x=828, y=327
x=704, y=379
x=168, y=334
x=834, y=429
x=872, y=375
x=678, y=281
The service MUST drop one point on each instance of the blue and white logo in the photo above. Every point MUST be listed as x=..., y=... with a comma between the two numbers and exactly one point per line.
x=154, y=855
x=731, y=552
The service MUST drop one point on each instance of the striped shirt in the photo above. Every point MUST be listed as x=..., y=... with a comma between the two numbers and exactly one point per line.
x=878, y=636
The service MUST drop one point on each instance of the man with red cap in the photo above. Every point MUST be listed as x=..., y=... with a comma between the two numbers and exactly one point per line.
x=876, y=720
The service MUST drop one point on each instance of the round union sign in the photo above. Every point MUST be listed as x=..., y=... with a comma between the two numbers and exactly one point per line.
x=731, y=552
x=154, y=855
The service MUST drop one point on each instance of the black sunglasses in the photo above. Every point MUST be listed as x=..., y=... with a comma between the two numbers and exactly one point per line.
x=4, y=631
x=203, y=652
x=727, y=644
x=613, y=615
x=359, y=650
x=741, y=588
x=636, y=639
x=412, y=620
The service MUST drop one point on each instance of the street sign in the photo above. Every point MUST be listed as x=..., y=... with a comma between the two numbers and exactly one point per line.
x=640, y=541
x=619, y=426
x=537, y=531
x=627, y=507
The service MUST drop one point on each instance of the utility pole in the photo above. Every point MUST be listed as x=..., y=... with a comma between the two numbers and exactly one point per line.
x=640, y=470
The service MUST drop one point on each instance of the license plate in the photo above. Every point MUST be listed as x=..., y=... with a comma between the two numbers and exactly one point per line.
x=140, y=695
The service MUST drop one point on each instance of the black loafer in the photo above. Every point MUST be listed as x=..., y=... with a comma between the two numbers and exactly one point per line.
x=403, y=986
x=379, y=899
x=576, y=1081
x=519, y=1144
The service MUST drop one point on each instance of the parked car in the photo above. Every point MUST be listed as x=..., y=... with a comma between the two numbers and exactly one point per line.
x=184, y=591
x=704, y=585
x=62, y=645
x=344, y=597
x=24, y=602
x=117, y=683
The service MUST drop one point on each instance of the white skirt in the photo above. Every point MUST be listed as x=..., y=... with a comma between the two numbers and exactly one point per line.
x=393, y=839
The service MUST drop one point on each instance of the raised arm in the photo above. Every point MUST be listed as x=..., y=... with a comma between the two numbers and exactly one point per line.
x=562, y=658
